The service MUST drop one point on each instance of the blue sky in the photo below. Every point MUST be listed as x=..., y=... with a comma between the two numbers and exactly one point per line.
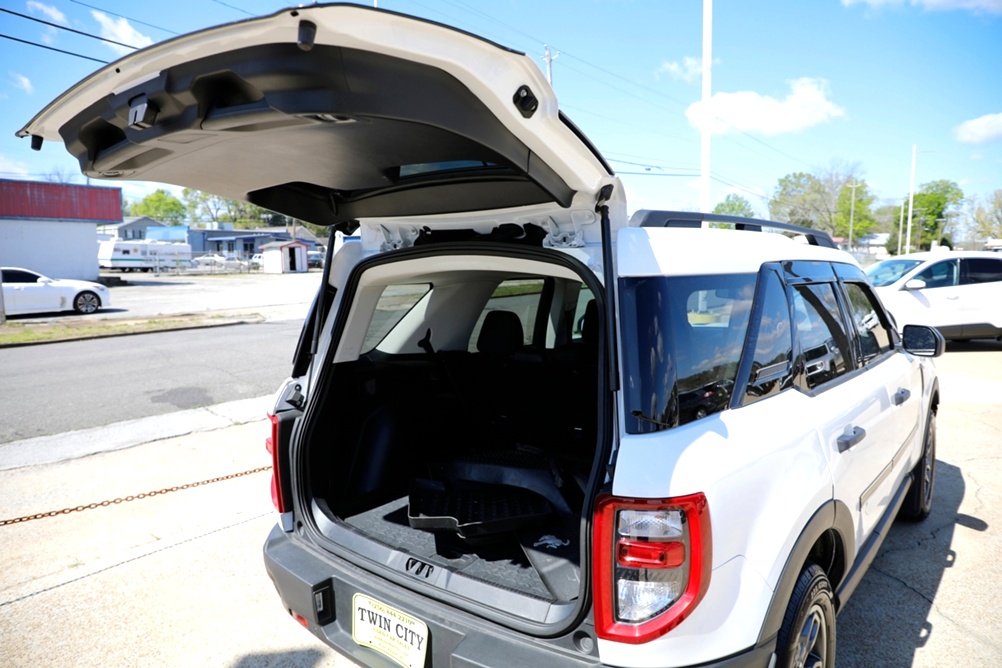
x=797, y=85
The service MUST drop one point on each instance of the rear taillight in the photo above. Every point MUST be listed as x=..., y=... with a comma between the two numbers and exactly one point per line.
x=652, y=564
x=271, y=445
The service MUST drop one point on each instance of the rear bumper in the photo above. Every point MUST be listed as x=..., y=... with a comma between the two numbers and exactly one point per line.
x=321, y=589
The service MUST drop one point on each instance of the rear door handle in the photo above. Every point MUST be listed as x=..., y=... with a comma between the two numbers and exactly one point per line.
x=901, y=396
x=851, y=437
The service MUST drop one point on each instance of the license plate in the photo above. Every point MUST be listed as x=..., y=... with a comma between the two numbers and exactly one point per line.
x=390, y=632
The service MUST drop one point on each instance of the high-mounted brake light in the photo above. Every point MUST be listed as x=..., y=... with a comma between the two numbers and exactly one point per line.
x=652, y=564
x=271, y=445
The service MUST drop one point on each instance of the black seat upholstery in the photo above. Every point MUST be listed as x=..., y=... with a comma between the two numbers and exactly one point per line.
x=501, y=334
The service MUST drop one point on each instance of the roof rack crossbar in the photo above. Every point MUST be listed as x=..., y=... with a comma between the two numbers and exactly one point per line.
x=649, y=218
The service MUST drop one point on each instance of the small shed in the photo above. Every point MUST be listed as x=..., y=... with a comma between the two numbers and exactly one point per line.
x=284, y=257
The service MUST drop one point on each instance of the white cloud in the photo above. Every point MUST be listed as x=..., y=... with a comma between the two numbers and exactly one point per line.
x=120, y=30
x=689, y=70
x=975, y=6
x=982, y=130
x=807, y=105
x=52, y=13
x=22, y=82
x=12, y=168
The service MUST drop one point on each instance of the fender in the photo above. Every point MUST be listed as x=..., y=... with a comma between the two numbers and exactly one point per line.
x=832, y=517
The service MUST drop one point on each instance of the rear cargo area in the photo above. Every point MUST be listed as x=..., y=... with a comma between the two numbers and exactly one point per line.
x=478, y=460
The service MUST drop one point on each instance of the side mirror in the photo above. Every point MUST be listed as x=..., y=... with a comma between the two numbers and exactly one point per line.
x=923, y=341
x=915, y=284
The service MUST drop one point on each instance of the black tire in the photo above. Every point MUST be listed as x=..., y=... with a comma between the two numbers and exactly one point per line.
x=918, y=502
x=86, y=302
x=807, y=636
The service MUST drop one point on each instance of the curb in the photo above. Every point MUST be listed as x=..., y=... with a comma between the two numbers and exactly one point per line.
x=130, y=433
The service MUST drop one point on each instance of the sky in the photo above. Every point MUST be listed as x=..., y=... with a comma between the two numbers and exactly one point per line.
x=797, y=85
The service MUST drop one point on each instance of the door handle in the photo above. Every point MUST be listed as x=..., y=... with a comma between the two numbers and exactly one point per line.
x=901, y=396
x=851, y=437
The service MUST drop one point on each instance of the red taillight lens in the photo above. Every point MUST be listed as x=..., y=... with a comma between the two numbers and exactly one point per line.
x=652, y=564
x=271, y=445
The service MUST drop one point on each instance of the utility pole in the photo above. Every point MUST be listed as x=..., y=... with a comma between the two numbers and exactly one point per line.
x=911, y=201
x=549, y=58
x=704, y=138
x=852, y=211
x=901, y=222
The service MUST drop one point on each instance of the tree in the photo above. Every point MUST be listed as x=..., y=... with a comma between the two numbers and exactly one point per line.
x=202, y=205
x=735, y=205
x=855, y=217
x=988, y=217
x=930, y=211
x=796, y=200
x=160, y=205
x=816, y=199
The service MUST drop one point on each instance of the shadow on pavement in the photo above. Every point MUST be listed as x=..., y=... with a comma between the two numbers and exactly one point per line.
x=888, y=618
x=303, y=658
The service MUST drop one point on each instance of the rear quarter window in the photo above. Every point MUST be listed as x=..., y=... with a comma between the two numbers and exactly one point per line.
x=682, y=345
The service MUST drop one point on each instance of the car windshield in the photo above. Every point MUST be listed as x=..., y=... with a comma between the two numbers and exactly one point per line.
x=886, y=272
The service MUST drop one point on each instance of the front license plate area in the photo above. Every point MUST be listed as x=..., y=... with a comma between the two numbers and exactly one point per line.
x=385, y=629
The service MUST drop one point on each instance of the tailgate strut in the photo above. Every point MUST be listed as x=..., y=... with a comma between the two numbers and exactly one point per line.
x=609, y=274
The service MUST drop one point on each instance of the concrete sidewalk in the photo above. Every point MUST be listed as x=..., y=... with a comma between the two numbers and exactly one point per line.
x=173, y=578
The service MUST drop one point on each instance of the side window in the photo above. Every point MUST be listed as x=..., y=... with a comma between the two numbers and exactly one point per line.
x=982, y=270
x=772, y=359
x=823, y=341
x=874, y=335
x=682, y=343
x=940, y=275
x=583, y=321
x=17, y=276
x=520, y=297
x=392, y=306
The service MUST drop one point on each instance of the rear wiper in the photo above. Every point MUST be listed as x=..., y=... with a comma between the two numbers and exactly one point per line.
x=640, y=416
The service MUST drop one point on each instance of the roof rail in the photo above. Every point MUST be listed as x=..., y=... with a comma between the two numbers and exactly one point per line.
x=650, y=218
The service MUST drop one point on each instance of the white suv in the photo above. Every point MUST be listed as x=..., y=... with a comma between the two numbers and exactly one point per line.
x=523, y=428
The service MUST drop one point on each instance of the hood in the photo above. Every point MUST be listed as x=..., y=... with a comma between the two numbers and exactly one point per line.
x=331, y=114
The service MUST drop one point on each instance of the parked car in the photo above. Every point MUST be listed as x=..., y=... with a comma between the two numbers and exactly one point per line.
x=256, y=261
x=314, y=259
x=218, y=261
x=479, y=457
x=957, y=292
x=27, y=291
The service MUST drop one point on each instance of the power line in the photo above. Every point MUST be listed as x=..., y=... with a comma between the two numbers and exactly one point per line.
x=122, y=16
x=52, y=48
x=62, y=27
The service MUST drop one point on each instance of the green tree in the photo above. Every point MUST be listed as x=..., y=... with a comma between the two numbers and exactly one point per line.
x=931, y=206
x=816, y=199
x=796, y=200
x=160, y=205
x=735, y=205
x=202, y=205
x=854, y=218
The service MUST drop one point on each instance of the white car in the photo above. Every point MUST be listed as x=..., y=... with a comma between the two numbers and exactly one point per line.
x=219, y=262
x=496, y=445
x=26, y=291
x=957, y=292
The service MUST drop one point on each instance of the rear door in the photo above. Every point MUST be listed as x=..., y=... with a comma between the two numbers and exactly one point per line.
x=849, y=404
x=981, y=295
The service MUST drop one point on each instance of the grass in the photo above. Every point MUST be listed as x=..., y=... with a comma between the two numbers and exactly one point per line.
x=19, y=332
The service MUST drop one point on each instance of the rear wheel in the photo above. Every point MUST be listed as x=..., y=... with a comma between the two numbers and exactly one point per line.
x=86, y=302
x=807, y=636
x=918, y=503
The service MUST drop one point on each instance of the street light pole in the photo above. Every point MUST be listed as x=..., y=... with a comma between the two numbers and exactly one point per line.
x=852, y=211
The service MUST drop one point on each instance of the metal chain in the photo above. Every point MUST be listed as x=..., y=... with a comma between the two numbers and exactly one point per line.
x=131, y=497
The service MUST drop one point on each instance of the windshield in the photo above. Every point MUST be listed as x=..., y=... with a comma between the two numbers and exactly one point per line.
x=888, y=271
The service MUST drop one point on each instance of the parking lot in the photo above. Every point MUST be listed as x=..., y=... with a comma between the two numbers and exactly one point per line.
x=176, y=578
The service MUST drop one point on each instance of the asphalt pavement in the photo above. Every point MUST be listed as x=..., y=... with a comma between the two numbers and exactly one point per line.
x=169, y=572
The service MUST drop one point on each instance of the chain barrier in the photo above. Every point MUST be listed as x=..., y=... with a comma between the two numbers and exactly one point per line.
x=131, y=497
